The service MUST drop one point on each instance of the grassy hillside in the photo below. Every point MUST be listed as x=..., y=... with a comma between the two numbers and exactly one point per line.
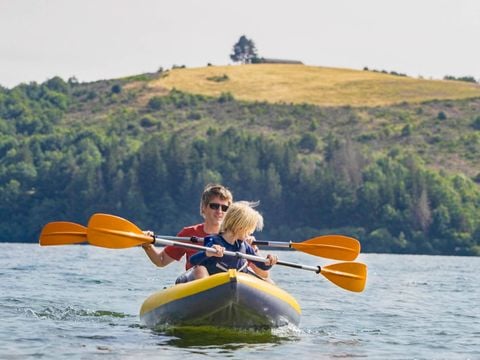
x=314, y=85
x=432, y=118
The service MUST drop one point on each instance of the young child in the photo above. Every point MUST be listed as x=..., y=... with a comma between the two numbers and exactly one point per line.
x=240, y=221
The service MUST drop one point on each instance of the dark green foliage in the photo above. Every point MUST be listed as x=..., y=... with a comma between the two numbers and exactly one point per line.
x=407, y=130
x=441, y=116
x=460, y=78
x=194, y=116
x=155, y=103
x=116, y=89
x=308, y=142
x=385, y=72
x=244, y=51
x=225, y=97
x=58, y=85
x=147, y=121
x=222, y=78
x=476, y=123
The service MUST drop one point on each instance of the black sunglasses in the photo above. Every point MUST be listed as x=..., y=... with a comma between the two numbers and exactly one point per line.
x=215, y=206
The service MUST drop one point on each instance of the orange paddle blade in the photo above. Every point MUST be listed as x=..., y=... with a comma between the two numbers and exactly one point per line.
x=348, y=275
x=114, y=232
x=336, y=247
x=62, y=233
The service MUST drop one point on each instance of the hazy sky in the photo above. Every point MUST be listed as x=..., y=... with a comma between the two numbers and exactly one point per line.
x=104, y=39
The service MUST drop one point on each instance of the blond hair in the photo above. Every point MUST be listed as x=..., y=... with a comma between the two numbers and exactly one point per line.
x=213, y=190
x=241, y=217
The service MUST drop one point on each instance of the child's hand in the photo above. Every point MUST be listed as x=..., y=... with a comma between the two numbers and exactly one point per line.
x=249, y=240
x=272, y=260
x=218, y=253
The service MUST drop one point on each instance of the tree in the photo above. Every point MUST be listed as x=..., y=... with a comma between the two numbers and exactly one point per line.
x=244, y=51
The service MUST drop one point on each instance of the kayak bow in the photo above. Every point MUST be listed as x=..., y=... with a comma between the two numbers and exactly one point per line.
x=228, y=299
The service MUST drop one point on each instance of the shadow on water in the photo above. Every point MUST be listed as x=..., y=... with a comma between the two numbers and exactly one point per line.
x=225, y=338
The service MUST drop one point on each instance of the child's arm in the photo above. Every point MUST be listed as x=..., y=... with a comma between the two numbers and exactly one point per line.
x=201, y=256
x=272, y=259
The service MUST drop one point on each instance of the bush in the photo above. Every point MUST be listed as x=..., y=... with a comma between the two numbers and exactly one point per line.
x=407, y=130
x=476, y=123
x=147, y=121
x=470, y=79
x=194, y=116
x=308, y=142
x=441, y=116
x=57, y=84
x=155, y=103
x=222, y=78
x=116, y=89
x=225, y=97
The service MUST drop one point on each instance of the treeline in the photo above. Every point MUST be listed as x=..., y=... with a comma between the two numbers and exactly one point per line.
x=55, y=168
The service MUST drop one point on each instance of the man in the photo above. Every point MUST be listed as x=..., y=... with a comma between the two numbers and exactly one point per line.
x=214, y=203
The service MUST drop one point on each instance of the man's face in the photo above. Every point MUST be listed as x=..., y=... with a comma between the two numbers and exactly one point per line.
x=213, y=212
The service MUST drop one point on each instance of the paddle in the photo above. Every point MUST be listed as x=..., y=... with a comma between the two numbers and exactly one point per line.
x=336, y=247
x=63, y=233
x=116, y=233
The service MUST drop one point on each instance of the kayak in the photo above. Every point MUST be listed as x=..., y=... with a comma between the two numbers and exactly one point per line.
x=229, y=299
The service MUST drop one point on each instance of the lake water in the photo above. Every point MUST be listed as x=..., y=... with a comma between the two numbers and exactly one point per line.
x=82, y=302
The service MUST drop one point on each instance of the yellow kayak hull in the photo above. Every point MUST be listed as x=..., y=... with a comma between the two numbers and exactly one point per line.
x=228, y=299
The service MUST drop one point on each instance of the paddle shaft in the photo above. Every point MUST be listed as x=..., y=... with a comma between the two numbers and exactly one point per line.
x=195, y=240
x=165, y=242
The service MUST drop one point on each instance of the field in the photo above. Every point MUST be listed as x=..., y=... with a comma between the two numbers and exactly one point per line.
x=296, y=84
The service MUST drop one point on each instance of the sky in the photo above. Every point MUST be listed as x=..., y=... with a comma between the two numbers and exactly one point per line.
x=105, y=39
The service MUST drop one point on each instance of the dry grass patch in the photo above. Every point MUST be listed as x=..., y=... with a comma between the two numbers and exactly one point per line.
x=296, y=84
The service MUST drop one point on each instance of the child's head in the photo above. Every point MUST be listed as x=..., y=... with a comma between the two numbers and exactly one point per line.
x=242, y=219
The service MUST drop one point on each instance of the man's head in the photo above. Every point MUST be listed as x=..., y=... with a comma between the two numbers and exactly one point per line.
x=214, y=203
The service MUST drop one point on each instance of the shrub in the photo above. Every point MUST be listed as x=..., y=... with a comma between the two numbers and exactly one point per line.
x=57, y=84
x=476, y=123
x=194, y=116
x=476, y=178
x=155, y=103
x=211, y=131
x=116, y=89
x=407, y=130
x=225, y=97
x=441, y=116
x=308, y=142
x=222, y=78
x=147, y=121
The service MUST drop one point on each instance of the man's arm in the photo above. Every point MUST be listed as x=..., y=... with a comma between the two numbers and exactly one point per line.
x=157, y=256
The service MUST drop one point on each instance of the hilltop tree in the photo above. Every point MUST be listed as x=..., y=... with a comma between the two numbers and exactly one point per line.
x=244, y=51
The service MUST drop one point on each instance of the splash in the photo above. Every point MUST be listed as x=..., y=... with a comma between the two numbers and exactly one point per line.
x=70, y=313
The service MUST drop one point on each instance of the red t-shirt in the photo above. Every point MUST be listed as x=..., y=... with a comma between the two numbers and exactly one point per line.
x=176, y=252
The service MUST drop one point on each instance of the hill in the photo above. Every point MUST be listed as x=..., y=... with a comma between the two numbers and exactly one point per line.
x=402, y=177
x=437, y=114
x=297, y=84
